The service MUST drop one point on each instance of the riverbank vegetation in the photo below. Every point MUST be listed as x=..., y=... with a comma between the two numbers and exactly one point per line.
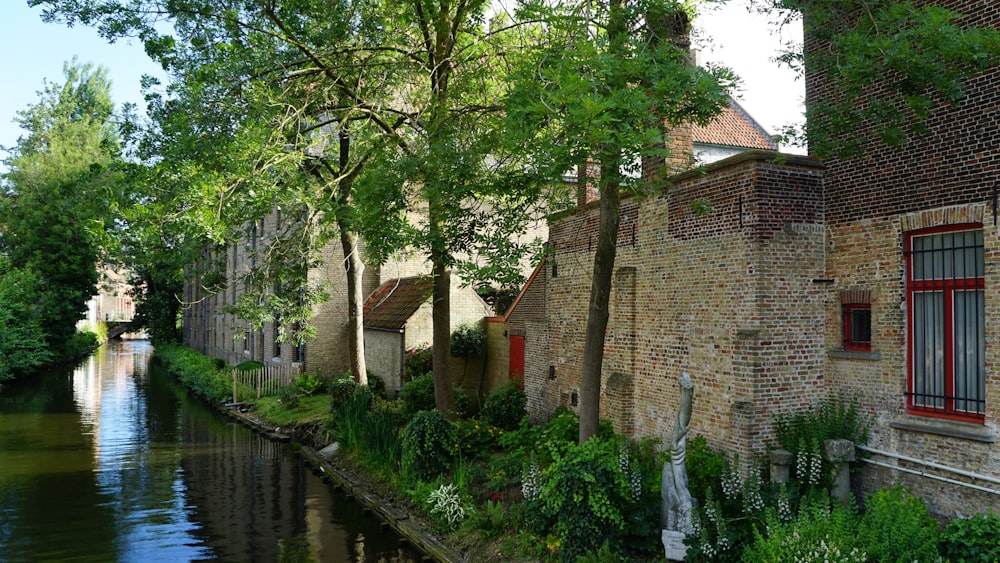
x=501, y=488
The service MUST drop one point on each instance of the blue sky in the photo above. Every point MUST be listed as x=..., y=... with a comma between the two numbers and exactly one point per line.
x=35, y=51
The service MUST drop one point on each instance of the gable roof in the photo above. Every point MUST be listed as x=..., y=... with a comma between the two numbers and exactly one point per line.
x=395, y=301
x=735, y=128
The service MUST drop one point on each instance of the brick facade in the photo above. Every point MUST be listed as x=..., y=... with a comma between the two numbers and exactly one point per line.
x=707, y=294
x=947, y=177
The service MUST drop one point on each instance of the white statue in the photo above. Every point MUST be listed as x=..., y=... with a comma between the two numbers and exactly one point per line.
x=676, y=509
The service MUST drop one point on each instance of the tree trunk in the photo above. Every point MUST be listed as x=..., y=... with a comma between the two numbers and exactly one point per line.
x=597, y=317
x=355, y=303
x=353, y=264
x=444, y=396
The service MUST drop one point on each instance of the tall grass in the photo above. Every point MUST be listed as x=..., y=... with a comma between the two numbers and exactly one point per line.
x=367, y=427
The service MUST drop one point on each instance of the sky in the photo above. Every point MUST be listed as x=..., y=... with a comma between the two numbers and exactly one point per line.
x=35, y=51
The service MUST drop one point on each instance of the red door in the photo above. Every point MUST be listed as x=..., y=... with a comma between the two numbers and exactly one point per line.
x=517, y=360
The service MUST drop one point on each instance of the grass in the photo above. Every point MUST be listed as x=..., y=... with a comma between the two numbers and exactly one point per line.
x=311, y=409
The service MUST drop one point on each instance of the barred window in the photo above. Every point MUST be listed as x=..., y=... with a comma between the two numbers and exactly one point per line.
x=857, y=326
x=947, y=319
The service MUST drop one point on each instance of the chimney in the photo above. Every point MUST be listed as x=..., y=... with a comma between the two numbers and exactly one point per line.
x=673, y=27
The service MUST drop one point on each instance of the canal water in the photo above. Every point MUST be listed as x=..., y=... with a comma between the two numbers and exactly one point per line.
x=112, y=461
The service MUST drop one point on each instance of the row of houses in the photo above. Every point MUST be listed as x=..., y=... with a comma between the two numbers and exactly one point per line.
x=873, y=279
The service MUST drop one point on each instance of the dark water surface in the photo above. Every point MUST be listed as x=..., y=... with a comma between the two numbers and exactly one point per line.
x=112, y=461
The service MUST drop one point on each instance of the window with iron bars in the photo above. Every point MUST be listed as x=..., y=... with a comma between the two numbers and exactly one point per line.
x=946, y=314
x=857, y=322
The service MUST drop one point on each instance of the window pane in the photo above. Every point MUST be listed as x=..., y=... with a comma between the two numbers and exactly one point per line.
x=928, y=349
x=861, y=325
x=948, y=255
x=970, y=351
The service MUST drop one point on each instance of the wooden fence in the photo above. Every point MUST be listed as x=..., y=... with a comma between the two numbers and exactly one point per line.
x=266, y=380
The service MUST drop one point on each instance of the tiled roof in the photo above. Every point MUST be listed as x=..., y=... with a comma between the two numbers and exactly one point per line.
x=395, y=301
x=735, y=128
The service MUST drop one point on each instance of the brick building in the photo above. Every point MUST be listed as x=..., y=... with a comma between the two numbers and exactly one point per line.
x=212, y=331
x=874, y=278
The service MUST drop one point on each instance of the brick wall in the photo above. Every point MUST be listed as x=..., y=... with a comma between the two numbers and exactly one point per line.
x=728, y=297
x=944, y=178
x=956, y=163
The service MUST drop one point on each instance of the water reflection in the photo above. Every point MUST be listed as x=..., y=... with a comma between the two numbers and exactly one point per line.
x=111, y=461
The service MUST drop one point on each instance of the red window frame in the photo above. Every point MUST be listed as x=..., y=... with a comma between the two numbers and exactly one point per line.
x=948, y=288
x=850, y=332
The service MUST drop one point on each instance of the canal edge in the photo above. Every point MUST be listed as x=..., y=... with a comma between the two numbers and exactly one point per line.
x=414, y=532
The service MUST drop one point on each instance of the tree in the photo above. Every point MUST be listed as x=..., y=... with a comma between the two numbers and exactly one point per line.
x=22, y=340
x=319, y=105
x=919, y=53
x=59, y=196
x=603, y=88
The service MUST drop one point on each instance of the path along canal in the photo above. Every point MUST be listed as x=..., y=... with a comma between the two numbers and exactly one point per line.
x=113, y=461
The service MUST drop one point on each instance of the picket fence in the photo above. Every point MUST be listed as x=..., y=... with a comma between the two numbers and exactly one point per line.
x=266, y=380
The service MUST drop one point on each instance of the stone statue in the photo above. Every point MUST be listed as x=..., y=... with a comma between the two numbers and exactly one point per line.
x=675, y=514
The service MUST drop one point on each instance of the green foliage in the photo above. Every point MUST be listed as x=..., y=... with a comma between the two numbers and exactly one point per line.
x=368, y=427
x=341, y=390
x=928, y=50
x=156, y=286
x=603, y=555
x=22, y=340
x=475, y=438
x=468, y=340
x=196, y=371
x=974, y=539
x=428, y=443
x=60, y=194
x=705, y=468
x=417, y=362
x=307, y=383
x=447, y=507
x=803, y=433
x=350, y=419
x=491, y=518
x=418, y=395
x=505, y=407
x=80, y=344
x=896, y=527
x=584, y=497
x=820, y=533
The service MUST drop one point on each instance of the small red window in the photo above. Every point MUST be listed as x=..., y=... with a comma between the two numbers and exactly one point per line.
x=857, y=326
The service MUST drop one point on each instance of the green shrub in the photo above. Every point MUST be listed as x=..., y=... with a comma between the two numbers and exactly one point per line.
x=505, y=407
x=705, y=468
x=307, y=383
x=418, y=395
x=896, y=527
x=803, y=434
x=350, y=421
x=468, y=340
x=80, y=344
x=475, y=438
x=972, y=539
x=196, y=372
x=584, y=497
x=418, y=361
x=220, y=363
x=376, y=385
x=819, y=533
x=341, y=390
x=428, y=441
